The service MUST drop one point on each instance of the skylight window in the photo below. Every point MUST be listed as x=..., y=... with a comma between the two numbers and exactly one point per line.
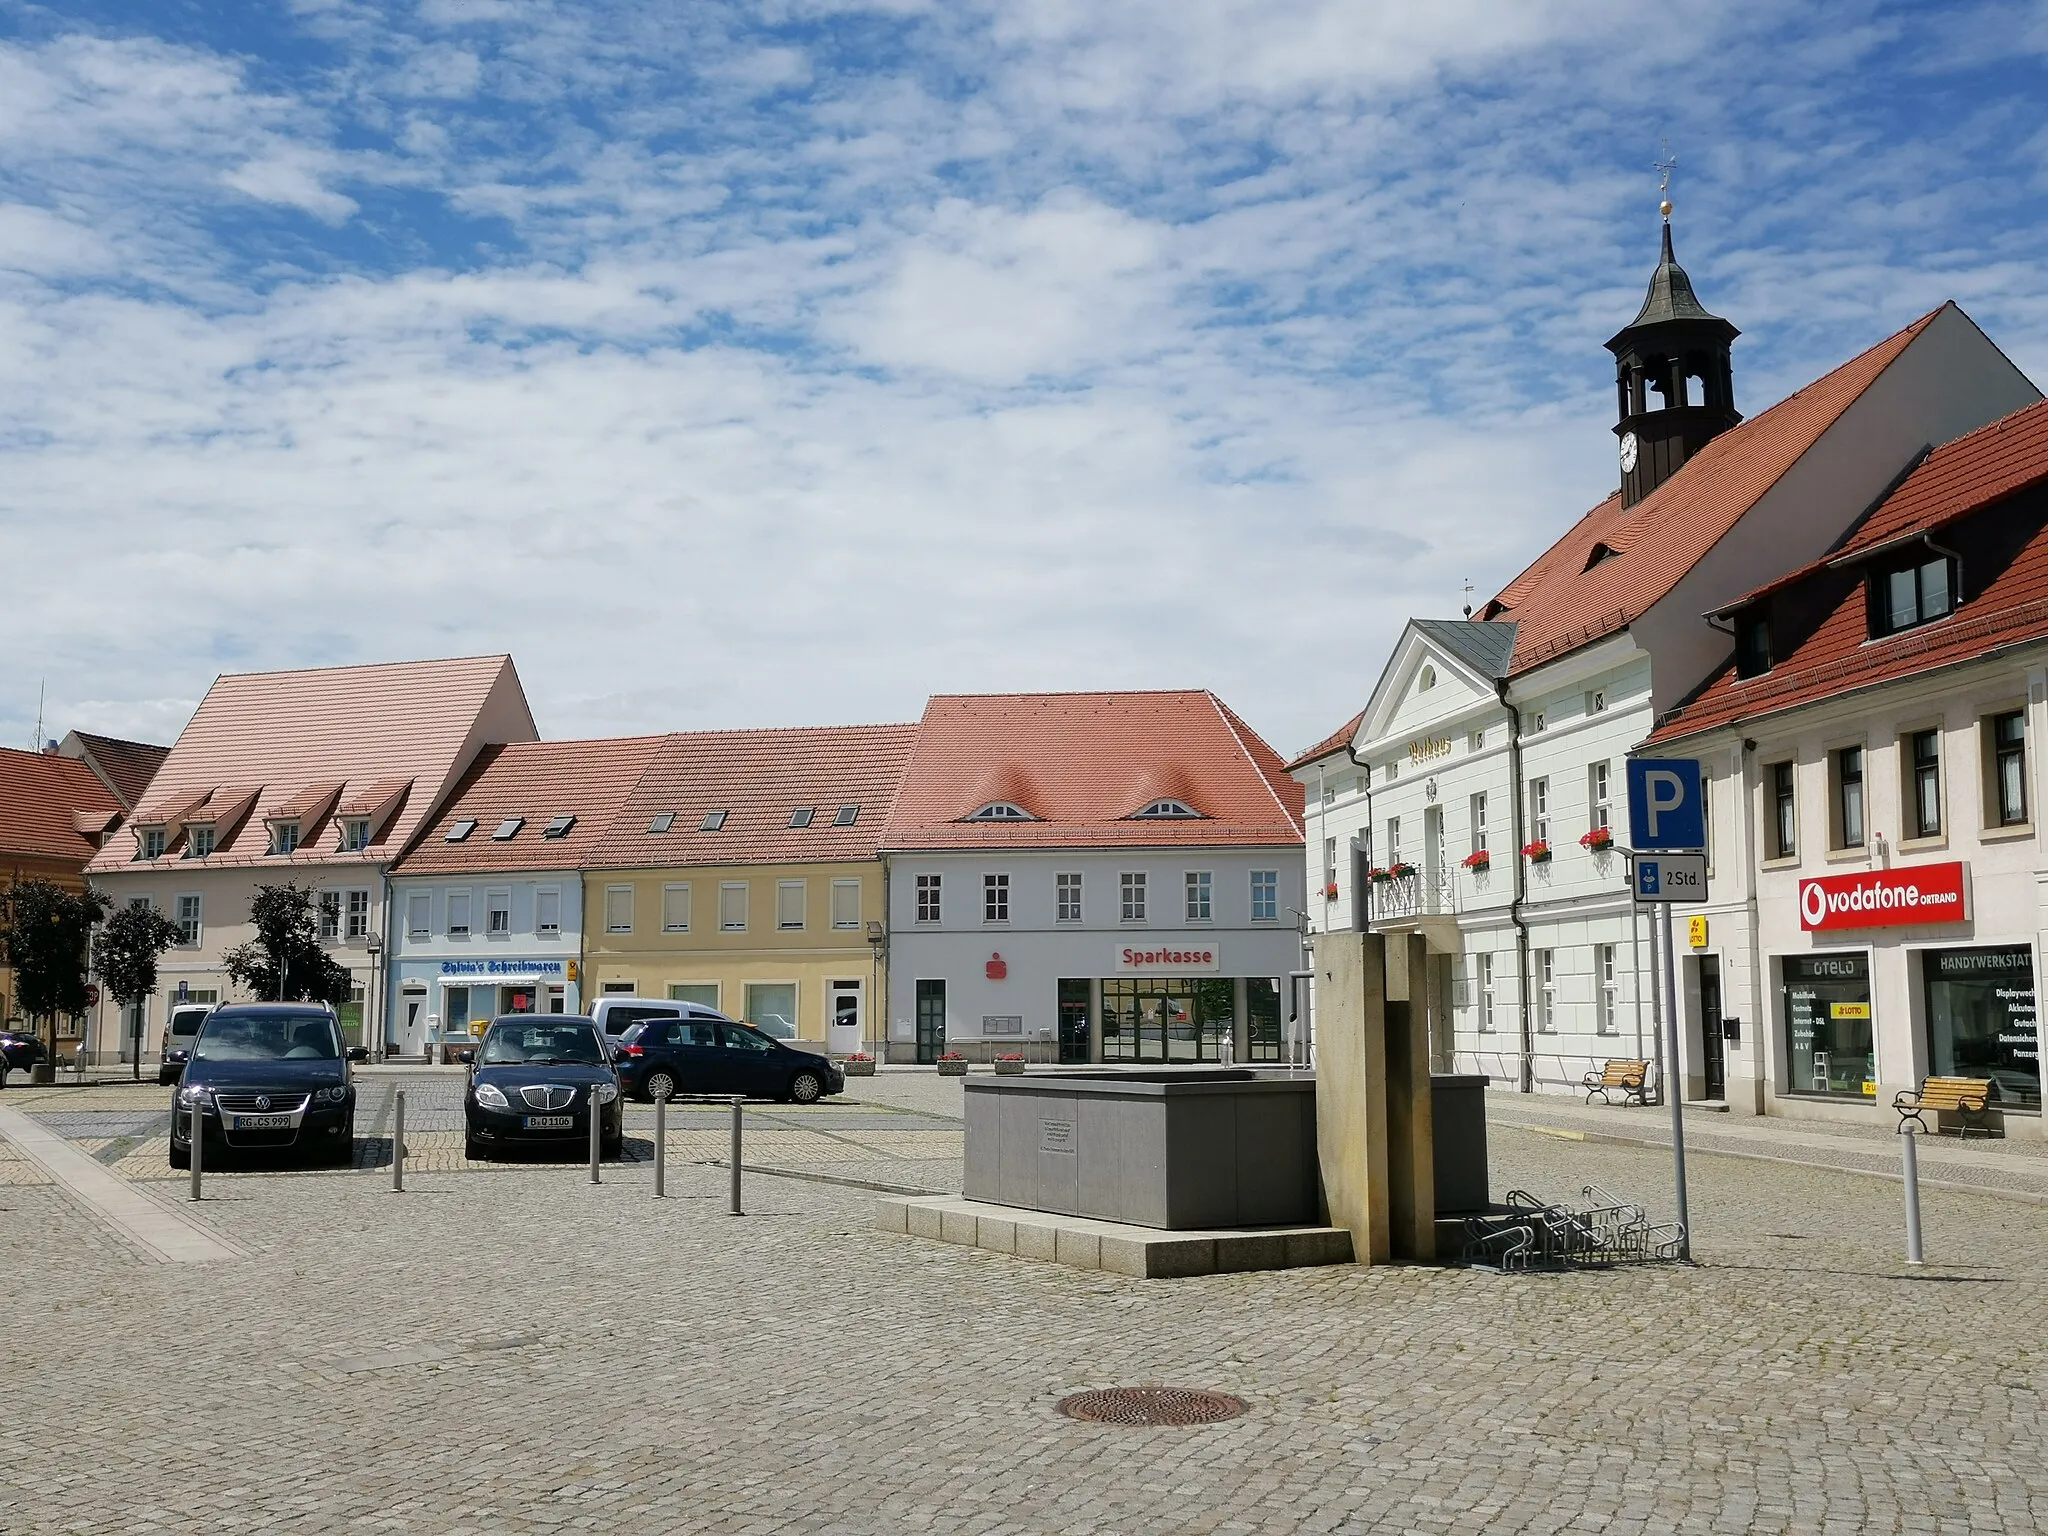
x=848, y=815
x=508, y=829
x=801, y=816
x=1002, y=810
x=559, y=827
x=714, y=821
x=662, y=821
x=1168, y=810
x=462, y=829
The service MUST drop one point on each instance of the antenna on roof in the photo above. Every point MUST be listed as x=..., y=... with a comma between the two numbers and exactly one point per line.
x=35, y=743
x=1664, y=168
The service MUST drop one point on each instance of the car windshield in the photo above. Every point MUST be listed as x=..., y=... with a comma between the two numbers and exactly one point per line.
x=542, y=1043
x=268, y=1037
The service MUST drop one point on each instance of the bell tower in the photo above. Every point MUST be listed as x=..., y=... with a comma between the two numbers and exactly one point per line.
x=1673, y=378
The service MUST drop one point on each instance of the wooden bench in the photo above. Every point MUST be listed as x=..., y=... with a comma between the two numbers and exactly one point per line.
x=1623, y=1077
x=1966, y=1098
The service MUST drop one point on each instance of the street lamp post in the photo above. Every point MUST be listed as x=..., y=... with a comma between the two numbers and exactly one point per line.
x=373, y=946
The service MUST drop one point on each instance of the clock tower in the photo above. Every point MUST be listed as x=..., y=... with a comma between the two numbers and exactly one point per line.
x=1673, y=379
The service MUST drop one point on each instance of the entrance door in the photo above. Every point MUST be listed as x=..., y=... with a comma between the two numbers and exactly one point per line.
x=412, y=1041
x=1713, y=1048
x=842, y=1035
x=931, y=1020
x=1073, y=1020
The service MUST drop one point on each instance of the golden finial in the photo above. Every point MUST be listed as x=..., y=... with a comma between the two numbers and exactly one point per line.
x=1665, y=167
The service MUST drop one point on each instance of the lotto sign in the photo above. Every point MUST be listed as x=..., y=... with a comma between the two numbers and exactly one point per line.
x=1886, y=898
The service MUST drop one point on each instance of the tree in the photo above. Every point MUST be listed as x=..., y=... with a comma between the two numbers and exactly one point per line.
x=286, y=962
x=124, y=955
x=46, y=944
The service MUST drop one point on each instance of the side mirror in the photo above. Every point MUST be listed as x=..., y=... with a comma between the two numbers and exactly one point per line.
x=359, y=1053
x=467, y=1058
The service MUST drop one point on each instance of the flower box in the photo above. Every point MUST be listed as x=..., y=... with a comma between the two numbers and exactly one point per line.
x=1400, y=871
x=1537, y=852
x=1329, y=893
x=858, y=1066
x=1599, y=840
x=1009, y=1066
x=952, y=1064
x=1379, y=876
x=1479, y=863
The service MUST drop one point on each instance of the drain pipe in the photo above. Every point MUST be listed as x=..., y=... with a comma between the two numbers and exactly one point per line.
x=1361, y=890
x=1528, y=1074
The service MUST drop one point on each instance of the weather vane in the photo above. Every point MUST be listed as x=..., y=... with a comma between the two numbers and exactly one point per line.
x=1664, y=168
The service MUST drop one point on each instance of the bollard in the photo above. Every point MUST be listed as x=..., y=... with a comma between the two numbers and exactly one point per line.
x=737, y=1101
x=398, y=1143
x=198, y=1146
x=660, y=1146
x=596, y=1119
x=1912, y=1157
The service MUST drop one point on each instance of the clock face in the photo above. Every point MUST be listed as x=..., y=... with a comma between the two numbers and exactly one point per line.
x=1628, y=452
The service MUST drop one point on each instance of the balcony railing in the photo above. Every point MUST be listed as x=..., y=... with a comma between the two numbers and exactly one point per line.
x=1414, y=895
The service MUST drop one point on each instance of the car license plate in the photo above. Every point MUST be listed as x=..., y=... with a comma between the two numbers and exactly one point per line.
x=548, y=1122
x=259, y=1122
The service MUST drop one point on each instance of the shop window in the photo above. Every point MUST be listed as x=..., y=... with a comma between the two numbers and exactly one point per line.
x=995, y=898
x=2006, y=758
x=1539, y=810
x=1829, y=1045
x=1916, y=595
x=1200, y=906
x=419, y=915
x=1486, y=994
x=1608, y=1024
x=1846, y=774
x=618, y=909
x=1923, y=783
x=702, y=993
x=458, y=914
x=1132, y=886
x=1068, y=893
x=498, y=913
x=547, y=913
x=732, y=906
x=771, y=1008
x=199, y=842
x=188, y=908
x=1546, y=991
x=357, y=923
x=790, y=900
x=1784, y=811
x=928, y=894
x=1981, y=1020
x=846, y=904
x=1264, y=1039
x=1265, y=895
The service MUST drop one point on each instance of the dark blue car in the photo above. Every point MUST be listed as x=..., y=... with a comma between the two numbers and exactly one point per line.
x=707, y=1053
x=535, y=1082
x=268, y=1077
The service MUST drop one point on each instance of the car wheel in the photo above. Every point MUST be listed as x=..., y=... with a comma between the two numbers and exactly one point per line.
x=807, y=1088
x=474, y=1150
x=613, y=1151
x=181, y=1157
x=344, y=1155
x=659, y=1085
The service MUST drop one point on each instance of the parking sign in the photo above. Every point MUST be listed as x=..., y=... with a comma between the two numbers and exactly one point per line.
x=1666, y=803
x=1667, y=878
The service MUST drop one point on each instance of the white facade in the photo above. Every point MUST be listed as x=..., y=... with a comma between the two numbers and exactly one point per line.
x=1063, y=918
x=468, y=947
x=1761, y=961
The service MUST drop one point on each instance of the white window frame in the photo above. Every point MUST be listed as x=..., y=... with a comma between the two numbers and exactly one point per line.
x=355, y=915
x=192, y=928
x=1600, y=795
x=461, y=899
x=675, y=907
x=542, y=928
x=1610, y=1017
x=930, y=898
x=327, y=905
x=1546, y=991
x=149, y=844
x=1477, y=812
x=284, y=838
x=726, y=890
x=1265, y=891
x=420, y=905
x=1200, y=885
x=844, y=921
x=995, y=897
x=192, y=837
x=355, y=834
x=1068, y=886
x=1539, y=809
x=1486, y=996
x=612, y=896
x=783, y=890
x=1131, y=892
x=496, y=901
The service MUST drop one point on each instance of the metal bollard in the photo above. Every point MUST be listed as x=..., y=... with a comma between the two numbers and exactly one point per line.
x=398, y=1143
x=1912, y=1157
x=198, y=1146
x=737, y=1101
x=661, y=1147
x=596, y=1119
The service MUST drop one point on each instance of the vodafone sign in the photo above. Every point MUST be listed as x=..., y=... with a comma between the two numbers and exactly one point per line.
x=1886, y=898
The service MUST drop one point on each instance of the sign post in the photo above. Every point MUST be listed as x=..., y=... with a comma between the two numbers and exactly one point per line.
x=1667, y=817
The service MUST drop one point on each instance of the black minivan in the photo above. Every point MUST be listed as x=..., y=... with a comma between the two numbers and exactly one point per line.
x=271, y=1077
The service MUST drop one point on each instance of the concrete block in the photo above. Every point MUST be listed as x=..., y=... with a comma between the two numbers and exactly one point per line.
x=997, y=1234
x=957, y=1227
x=925, y=1220
x=1083, y=1250
x=1175, y=1258
x=893, y=1216
x=1318, y=1245
x=1036, y=1241
x=1250, y=1250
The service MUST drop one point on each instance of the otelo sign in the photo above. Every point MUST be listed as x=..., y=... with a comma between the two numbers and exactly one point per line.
x=1886, y=898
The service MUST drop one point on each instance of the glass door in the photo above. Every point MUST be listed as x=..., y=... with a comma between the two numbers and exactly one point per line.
x=843, y=1035
x=931, y=1021
x=1713, y=1047
x=1073, y=1020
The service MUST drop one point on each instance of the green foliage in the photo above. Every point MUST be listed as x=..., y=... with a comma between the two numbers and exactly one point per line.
x=286, y=962
x=47, y=932
x=125, y=950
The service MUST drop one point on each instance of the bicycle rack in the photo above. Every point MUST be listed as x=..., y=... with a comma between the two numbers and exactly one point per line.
x=1600, y=1232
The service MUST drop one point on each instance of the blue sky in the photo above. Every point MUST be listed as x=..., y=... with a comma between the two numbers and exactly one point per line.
x=783, y=363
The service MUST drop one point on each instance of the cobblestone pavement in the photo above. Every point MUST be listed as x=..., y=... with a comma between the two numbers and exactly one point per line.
x=522, y=1352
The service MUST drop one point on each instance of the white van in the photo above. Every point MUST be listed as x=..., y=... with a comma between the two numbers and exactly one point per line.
x=179, y=1033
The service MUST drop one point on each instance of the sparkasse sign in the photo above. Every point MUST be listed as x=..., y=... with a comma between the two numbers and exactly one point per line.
x=1886, y=898
x=1169, y=959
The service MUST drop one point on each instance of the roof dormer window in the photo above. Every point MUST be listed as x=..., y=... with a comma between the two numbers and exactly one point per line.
x=284, y=837
x=508, y=829
x=1752, y=645
x=355, y=834
x=462, y=829
x=559, y=827
x=1001, y=810
x=1167, y=810
x=1919, y=594
x=199, y=841
x=150, y=843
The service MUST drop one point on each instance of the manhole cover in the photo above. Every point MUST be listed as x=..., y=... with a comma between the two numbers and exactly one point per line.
x=1151, y=1405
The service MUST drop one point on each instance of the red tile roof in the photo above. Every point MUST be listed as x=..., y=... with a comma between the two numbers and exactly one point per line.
x=536, y=781
x=1082, y=763
x=1336, y=741
x=1616, y=563
x=758, y=778
x=125, y=766
x=44, y=799
x=291, y=736
x=1840, y=658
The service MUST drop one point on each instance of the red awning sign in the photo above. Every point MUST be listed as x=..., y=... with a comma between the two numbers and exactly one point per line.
x=1886, y=898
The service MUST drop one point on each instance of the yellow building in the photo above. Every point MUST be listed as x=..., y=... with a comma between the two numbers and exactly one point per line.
x=745, y=873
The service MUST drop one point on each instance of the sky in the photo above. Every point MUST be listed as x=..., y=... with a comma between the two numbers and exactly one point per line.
x=784, y=363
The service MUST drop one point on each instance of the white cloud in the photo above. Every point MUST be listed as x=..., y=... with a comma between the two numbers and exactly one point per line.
x=292, y=180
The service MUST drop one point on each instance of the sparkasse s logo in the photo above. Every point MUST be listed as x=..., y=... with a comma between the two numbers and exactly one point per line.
x=1885, y=898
